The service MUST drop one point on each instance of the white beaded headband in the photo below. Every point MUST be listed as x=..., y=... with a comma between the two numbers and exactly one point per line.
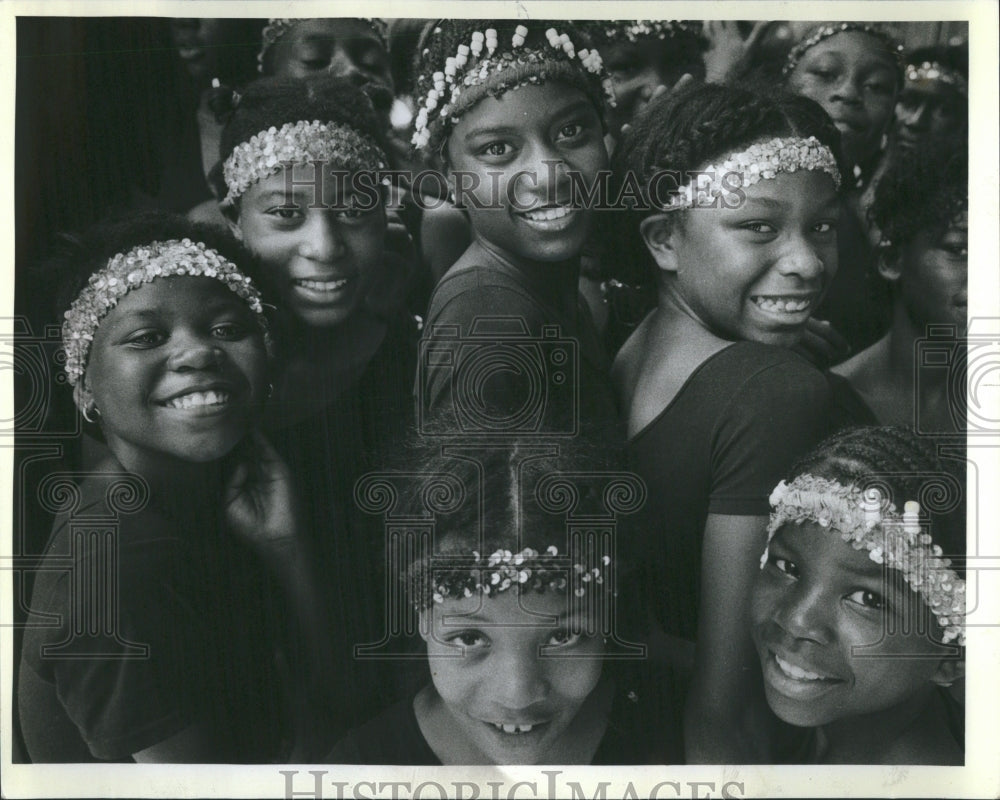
x=634, y=30
x=456, y=577
x=864, y=520
x=276, y=28
x=760, y=161
x=134, y=268
x=932, y=71
x=817, y=35
x=270, y=151
x=479, y=62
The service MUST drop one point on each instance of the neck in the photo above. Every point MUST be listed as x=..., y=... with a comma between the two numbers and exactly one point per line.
x=196, y=485
x=870, y=738
x=555, y=281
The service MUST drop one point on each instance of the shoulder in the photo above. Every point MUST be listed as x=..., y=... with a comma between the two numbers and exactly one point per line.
x=393, y=737
x=469, y=290
x=775, y=370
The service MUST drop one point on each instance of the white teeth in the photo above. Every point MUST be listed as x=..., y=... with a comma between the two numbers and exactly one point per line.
x=196, y=399
x=798, y=673
x=501, y=726
x=781, y=304
x=323, y=286
x=545, y=214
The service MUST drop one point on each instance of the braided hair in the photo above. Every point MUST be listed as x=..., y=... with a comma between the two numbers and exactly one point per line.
x=684, y=131
x=907, y=464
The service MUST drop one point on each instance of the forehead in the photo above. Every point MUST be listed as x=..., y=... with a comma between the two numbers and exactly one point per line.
x=855, y=46
x=301, y=181
x=180, y=296
x=331, y=30
x=813, y=545
x=532, y=105
x=806, y=190
x=521, y=609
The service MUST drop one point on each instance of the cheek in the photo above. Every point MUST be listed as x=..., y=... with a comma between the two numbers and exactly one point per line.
x=453, y=677
x=574, y=679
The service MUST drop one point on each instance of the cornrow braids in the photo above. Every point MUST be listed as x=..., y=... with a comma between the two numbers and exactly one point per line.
x=687, y=130
x=273, y=102
x=521, y=53
x=921, y=193
x=907, y=465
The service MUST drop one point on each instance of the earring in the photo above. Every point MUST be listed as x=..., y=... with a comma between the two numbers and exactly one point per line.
x=885, y=141
x=92, y=408
x=270, y=391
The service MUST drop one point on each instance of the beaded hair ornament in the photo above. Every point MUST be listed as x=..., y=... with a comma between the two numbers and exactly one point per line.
x=459, y=576
x=818, y=34
x=760, y=161
x=865, y=520
x=276, y=28
x=933, y=72
x=484, y=67
x=134, y=268
x=635, y=30
x=270, y=151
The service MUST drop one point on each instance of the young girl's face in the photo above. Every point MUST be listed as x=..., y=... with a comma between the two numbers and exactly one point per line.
x=513, y=681
x=853, y=76
x=828, y=630
x=934, y=276
x=635, y=70
x=757, y=272
x=177, y=368
x=344, y=47
x=322, y=261
x=929, y=114
x=545, y=131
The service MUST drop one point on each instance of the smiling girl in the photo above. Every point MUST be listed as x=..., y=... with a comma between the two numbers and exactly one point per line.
x=166, y=353
x=516, y=607
x=717, y=407
x=858, y=611
x=515, y=110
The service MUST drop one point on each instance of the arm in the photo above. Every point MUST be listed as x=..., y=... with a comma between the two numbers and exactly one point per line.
x=193, y=745
x=726, y=718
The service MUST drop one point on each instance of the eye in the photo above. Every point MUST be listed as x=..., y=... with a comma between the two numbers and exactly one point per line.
x=822, y=73
x=824, y=227
x=790, y=568
x=229, y=330
x=956, y=250
x=496, y=149
x=146, y=339
x=879, y=87
x=469, y=639
x=759, y=227
x=315, y=63
x=563, y=638
x=868, y=599
x=285, y=212
x=570, y=131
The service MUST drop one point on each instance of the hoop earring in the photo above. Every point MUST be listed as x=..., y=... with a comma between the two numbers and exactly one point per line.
x=92, y=408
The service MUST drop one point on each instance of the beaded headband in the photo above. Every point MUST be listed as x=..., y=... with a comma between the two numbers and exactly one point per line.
x=276, y=28
x=933, y=72
x=270, y=151
x=817, y=35
x=130, y=270
x=612, y=31
x=760, y=161
x=481, y=67
x=865, y=521
x=459, y=576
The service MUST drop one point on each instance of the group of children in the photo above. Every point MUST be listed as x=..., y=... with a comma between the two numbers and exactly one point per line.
x=762, y=522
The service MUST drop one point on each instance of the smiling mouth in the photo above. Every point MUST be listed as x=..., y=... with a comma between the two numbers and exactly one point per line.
x=516, y=730
x=549, y=218
x=780, y=304
x=797, y=673
x=209, y=399
x=323, y=286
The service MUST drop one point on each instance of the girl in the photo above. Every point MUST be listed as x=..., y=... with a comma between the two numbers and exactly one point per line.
x=933, y=107
x=921, y=209
x=857, y=616
x=517, y=619
x=855, y=71
x=298, y=155
x=165, y=351
x=514, y=109
x=716, y=406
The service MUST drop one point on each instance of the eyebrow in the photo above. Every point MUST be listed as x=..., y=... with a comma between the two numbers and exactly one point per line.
x=573, y=108
x=462, y=619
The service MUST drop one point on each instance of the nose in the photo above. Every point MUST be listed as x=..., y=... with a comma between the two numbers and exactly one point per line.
x=551, y=181
x=802, y=612
x=321, y=239
x=847, y=90
x=801, y=259
x=343, y=66
x=519, y=681
x=193, y=351
x=915, y=115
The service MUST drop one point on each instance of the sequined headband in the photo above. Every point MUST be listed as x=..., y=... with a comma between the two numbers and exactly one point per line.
x=864, y=520
x=270, y=151
x=482, y=66
x=456, y=577
x=639, y=29
x=760, y=161
x=134, y=268
x=276, y=28
x=817, y=35
x=931, y=71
